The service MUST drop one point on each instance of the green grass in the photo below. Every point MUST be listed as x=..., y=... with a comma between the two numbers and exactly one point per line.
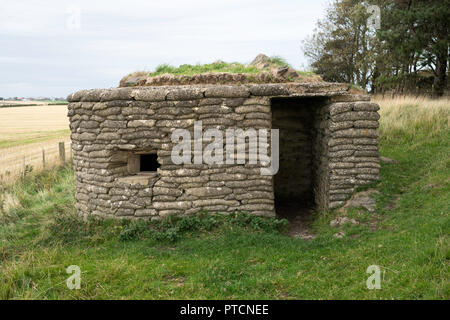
x=25, y=138
x=215, y=67
x=220, y=66
x=235, y=257
x=190, y=70
x=279, y=61
x=235, y=67
x=306, y=73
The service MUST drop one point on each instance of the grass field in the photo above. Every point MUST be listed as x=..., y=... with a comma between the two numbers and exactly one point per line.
x=240, y=257
x=25, y=131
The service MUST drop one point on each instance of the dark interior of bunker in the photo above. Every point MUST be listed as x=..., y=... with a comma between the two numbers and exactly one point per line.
x=294, y=184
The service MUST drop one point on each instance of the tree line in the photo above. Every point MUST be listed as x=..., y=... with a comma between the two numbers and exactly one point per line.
x=398, y=46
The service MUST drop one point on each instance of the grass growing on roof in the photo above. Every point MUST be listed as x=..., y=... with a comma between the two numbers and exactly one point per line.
x=190, y=70
x=215, y=67
x=279, y=61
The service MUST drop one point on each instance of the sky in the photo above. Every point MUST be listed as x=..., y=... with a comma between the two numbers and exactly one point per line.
x=51, y=48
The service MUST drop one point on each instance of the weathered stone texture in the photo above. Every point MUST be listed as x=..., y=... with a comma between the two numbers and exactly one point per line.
x=328, y=138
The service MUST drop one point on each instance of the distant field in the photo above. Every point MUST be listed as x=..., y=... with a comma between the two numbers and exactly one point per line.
x=15, y=103
x=25, y=131
x=26, y=125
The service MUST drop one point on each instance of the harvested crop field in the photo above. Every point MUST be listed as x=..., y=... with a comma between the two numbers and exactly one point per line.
x=26, y=131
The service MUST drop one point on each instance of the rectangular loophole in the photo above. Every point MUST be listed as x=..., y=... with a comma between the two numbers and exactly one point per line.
x=149, y=162
x=142, y=162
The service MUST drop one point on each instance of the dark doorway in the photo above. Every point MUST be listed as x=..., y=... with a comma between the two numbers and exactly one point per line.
x=294, y=182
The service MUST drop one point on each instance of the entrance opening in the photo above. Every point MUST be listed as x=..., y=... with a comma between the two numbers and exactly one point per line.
x=294, y=184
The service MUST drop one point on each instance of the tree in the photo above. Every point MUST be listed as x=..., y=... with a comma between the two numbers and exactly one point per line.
x=413, y=41
x=416, y=34
x=342, y=48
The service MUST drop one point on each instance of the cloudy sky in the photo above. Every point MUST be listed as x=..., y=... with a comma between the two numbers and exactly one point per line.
x=52, y=48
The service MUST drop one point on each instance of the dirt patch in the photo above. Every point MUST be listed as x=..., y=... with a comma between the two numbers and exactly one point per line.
x=339, y=221
x=363, y=199
x=178, y=281
x=339, y=235
x=299, y=221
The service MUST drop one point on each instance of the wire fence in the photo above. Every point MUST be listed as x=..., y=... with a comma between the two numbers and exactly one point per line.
x=16, y=163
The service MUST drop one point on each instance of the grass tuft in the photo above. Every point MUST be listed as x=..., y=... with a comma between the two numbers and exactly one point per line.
x=190, y=70
x=405, y=119
x=279, y=61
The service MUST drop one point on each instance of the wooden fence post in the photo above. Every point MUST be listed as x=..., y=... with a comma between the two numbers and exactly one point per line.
x=62, y=152
x=43, y=158
x=23, y=167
